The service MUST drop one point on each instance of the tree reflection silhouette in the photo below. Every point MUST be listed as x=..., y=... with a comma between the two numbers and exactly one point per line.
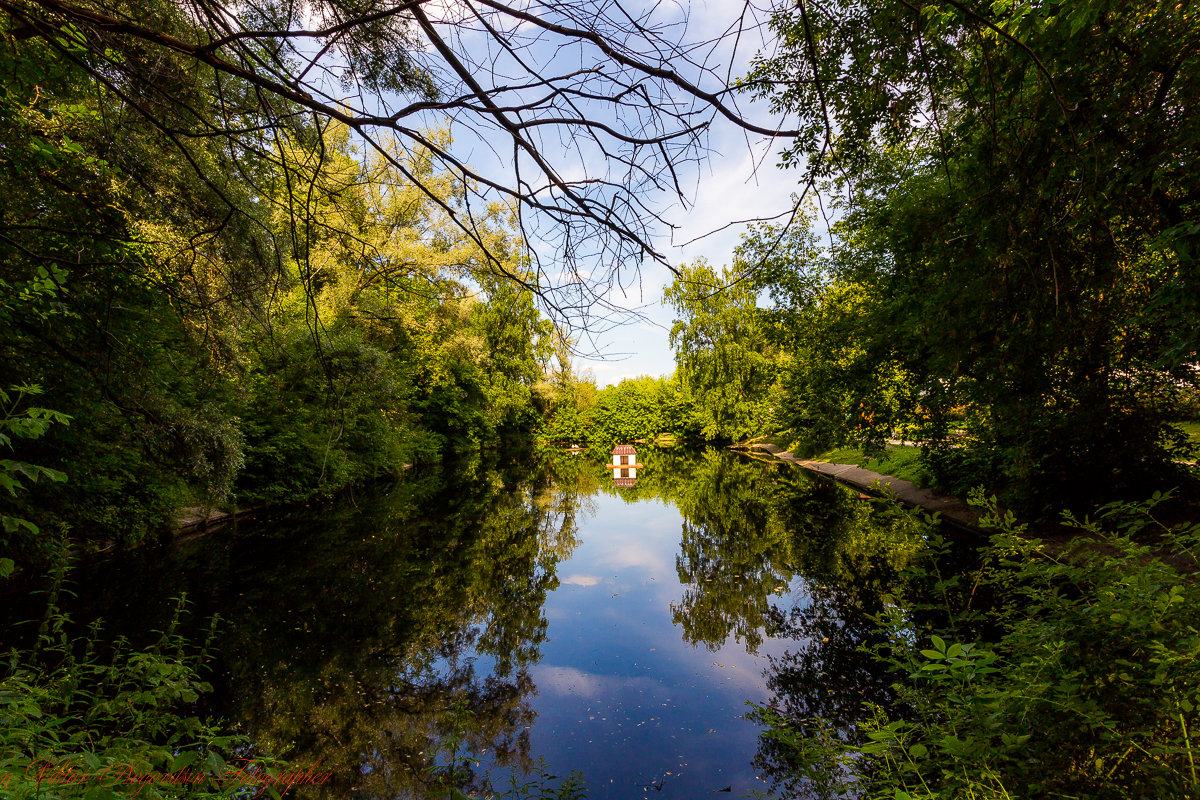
x=375, y=640
x=734, y=552
x=853, y=556
x=427, y=647
x=749, y=528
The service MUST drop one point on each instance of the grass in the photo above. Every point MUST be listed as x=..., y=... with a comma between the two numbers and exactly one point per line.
x=901, y=461
x=1192, y=431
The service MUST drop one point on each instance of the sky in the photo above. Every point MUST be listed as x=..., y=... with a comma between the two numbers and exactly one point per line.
x=739, y=181
x=729, y=189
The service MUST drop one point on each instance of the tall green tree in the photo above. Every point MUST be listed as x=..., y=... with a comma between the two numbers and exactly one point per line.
x=638, y=408
x=1017, y=223
x=120, y=269
x=722, y=349
x=260, y=317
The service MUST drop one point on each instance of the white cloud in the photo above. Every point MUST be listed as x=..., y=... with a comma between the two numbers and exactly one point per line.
x=581, y=580
x=570, y=681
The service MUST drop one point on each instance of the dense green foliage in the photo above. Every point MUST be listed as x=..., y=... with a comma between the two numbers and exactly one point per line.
x=75, y=721
x=19, y=421
x=255, y=318
x=1012, y=268
x=1087, y=686
x=721, y=350
x=636, y=409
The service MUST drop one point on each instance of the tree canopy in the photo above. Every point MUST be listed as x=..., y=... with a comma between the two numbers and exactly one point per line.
x=1014, y=240
x=720, y=344
x=220, y=321
x=578, y=117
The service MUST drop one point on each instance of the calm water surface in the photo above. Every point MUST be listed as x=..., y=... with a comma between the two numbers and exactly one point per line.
x=493, y=616
x=622, y=694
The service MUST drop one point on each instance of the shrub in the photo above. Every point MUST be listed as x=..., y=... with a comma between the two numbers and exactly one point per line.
x=79, y=719
x=1089, y=686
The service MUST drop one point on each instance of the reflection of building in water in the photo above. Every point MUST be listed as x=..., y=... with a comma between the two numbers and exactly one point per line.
x=624, y=465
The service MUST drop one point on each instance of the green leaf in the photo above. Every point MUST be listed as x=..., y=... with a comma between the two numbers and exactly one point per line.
x=14, y=524
x=184, y=759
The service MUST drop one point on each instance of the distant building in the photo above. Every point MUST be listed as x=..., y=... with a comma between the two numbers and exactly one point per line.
x=624, y=465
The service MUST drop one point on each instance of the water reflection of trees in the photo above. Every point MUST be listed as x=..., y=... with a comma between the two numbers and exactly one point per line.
x=751, y=526
x=366, y=638
x=733, y=556
x=853, y=555
x=567, y=492
x=369, y=639
x=439, y=630
x=733, y=552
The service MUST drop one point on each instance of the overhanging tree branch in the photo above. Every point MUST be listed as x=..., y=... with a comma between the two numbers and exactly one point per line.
x=601, y=107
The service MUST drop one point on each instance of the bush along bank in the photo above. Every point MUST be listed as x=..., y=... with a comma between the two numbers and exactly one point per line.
x=1073, y=673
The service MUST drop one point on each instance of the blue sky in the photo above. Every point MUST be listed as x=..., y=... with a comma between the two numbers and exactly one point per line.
x=729, y=189
x=738, y=180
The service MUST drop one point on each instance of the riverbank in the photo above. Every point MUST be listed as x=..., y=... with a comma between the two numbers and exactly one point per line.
x=198, y=518
x=953, y=509
x=195, y=519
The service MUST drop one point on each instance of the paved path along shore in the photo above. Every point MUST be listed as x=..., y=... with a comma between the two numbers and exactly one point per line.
x=951, y=508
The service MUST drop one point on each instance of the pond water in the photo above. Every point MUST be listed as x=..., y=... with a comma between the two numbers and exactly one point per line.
x=494, y=617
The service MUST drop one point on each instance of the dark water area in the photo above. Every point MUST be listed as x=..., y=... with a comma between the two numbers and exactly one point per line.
x=502, y=616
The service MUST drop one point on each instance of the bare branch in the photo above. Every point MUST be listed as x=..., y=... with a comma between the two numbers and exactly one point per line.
x=582, y=116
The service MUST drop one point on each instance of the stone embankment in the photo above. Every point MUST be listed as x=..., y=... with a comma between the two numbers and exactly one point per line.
x=953, y=509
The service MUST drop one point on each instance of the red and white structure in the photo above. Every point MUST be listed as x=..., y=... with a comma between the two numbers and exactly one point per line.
x=624, y=465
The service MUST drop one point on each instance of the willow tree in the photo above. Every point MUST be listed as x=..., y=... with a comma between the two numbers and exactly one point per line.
x=1016, y=193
